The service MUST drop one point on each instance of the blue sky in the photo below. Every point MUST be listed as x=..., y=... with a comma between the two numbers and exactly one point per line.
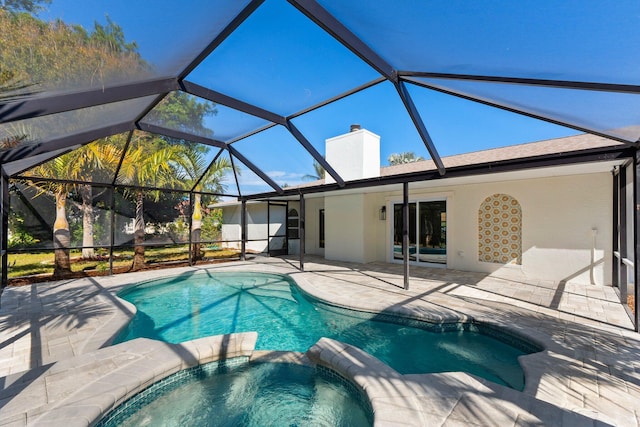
x=283, y=62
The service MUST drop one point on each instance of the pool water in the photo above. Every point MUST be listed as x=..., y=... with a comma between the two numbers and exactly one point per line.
x=187, y=307
x=258, y=395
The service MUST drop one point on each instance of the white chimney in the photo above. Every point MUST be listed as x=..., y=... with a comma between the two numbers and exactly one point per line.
x=354, y=155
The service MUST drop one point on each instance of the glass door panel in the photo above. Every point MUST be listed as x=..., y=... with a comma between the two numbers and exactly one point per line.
x=427, y=232
x=397, y=231
x=412, y=232
x=432, y=238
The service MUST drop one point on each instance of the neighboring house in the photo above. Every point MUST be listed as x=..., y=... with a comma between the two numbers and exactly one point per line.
x=551, y=223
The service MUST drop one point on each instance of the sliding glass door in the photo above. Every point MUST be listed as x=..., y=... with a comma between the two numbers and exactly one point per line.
x=427, y=232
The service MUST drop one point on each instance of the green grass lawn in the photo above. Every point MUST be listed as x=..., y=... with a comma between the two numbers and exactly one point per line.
x=29, y=264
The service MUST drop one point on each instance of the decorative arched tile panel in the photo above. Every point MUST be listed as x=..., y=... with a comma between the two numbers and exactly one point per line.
x=500, y=230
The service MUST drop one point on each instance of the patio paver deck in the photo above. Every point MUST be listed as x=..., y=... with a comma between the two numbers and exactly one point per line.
x=588, y=372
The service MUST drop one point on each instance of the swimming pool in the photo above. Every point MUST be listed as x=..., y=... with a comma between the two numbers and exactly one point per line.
x=186, y=307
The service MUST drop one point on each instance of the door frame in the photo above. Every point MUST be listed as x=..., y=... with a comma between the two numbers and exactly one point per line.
x=390, y=208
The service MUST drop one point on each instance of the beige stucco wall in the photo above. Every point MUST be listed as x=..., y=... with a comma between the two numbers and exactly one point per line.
x=375, y=247
x=256, y=225
x=353, y=230
x=344, y=230
x=558, y=216
x=230, y=229
x=558, y=219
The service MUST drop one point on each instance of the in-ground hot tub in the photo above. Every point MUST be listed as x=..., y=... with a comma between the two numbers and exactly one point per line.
x=235, y=392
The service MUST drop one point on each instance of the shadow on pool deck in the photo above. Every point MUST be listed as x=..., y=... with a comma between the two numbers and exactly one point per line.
x=591, y=302
x=591, y=361
x=37, y=329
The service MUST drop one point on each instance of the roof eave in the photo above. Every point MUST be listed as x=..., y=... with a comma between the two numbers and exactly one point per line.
x=600, y=154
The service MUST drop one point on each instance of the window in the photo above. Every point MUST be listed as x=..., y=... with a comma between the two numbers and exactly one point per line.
x=321, y=234
x=293, y=221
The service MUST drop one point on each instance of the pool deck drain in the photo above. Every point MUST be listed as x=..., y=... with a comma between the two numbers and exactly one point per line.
x=56, y=362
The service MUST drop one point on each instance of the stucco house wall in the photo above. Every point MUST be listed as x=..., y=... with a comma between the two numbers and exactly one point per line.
x=353, y=230
x=256, y=225
x=230, y=229
x=566, y=226
x=344, y=228
x=564, y=213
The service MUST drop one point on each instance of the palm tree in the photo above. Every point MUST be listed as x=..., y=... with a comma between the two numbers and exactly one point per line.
x=319, y=172
x=402, y=158
x=55, y=169
x=149, y=161
x=193, y=165
x=88, y=163
x=14, y=133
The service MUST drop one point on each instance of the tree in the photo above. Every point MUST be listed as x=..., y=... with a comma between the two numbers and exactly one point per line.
x=149, y=161
x=193, y=165
x=402, y=158
x=89, y=162
x=23, y=5
x=319, y=172
x=41, y=55
x=111, y=36
x=58, y=167
x=14, y=134
x=27, y=220
x=95, y=161
x=54, y=55
x=184, y=112
x=9, y=86
x=212, y=224
x=37, y=55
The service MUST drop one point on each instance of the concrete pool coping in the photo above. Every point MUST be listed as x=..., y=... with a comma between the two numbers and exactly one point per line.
x=587, y=373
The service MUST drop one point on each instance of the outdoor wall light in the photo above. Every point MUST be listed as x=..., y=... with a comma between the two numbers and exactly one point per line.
x=383, y=213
